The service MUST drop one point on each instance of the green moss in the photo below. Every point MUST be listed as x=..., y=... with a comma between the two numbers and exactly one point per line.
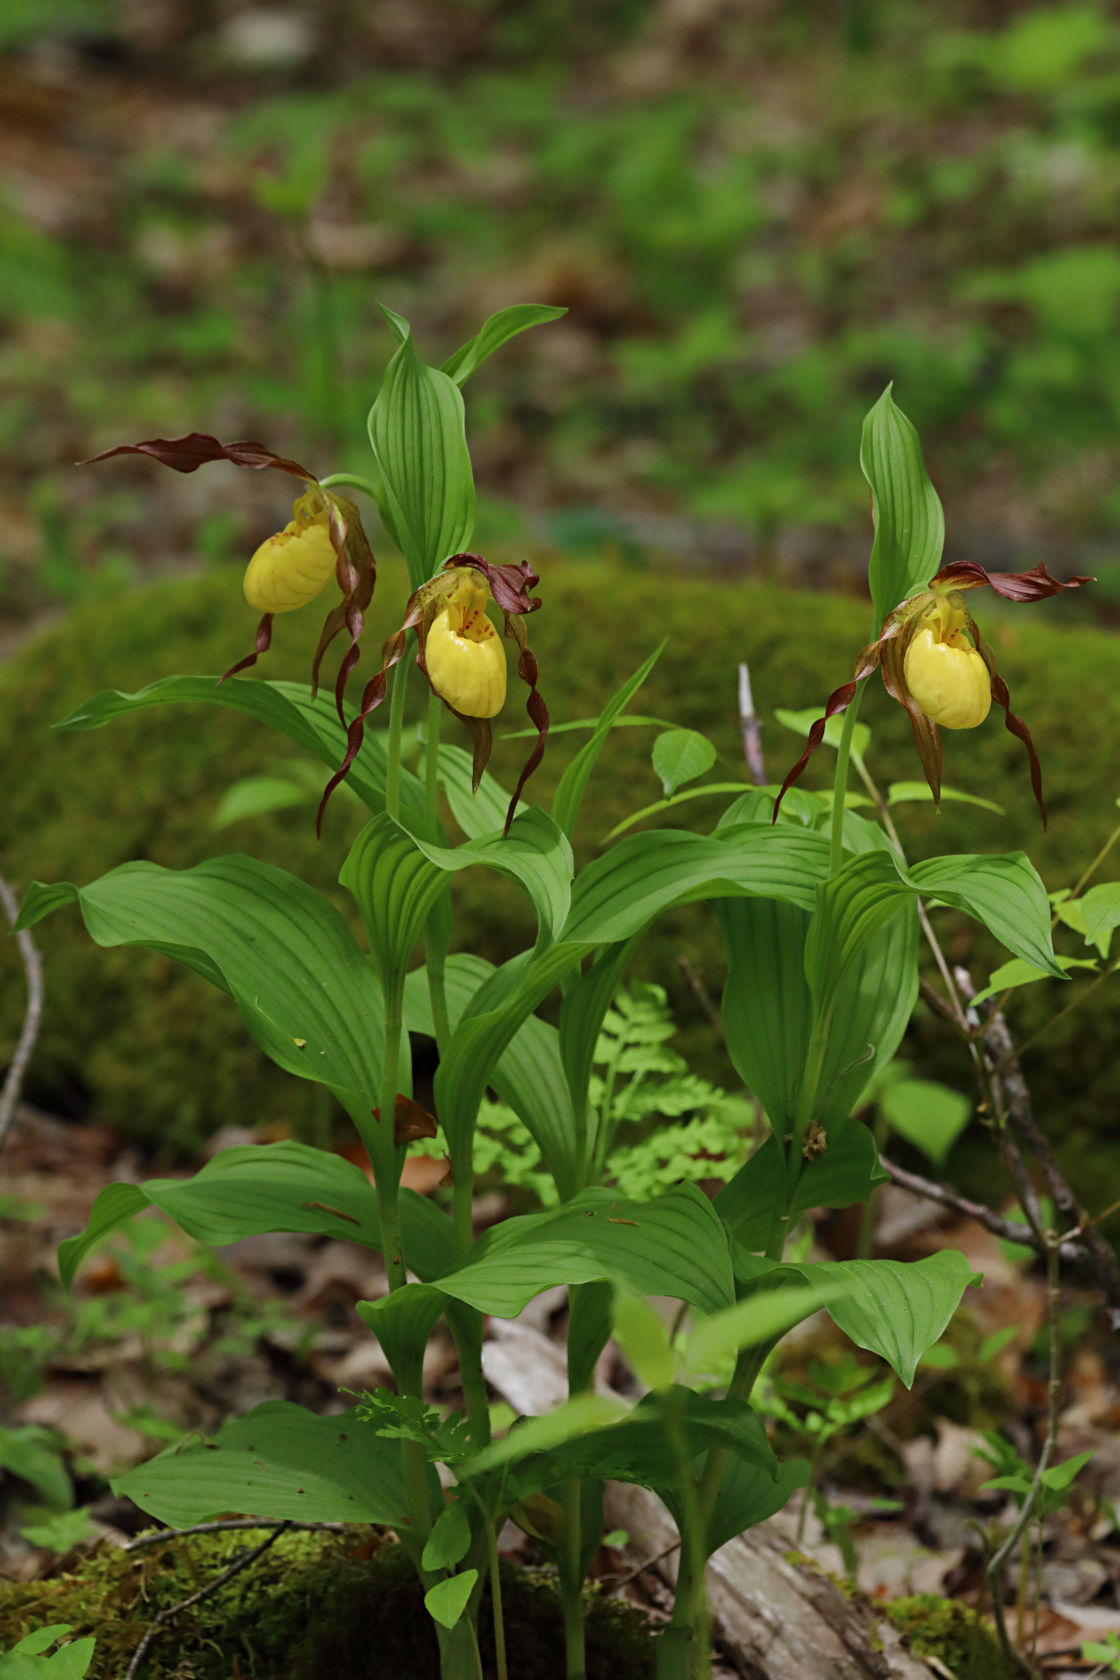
x=313, y=1607
x=125, y=1033
x=956, y=1635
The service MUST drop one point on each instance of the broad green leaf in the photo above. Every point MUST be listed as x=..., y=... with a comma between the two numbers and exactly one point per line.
x=304, y=988
x=766, y=1010
x=418, y=437
x=450, y=1539
x=577, y=1416
x=573, y=783
x=528, y=1077
x=762, y=1317
x=536, y=853
x=257, y=796
x=641, y=1447
x=748, y=1494
x=894, y=1308
x=801, y=723
x=589, y=1330
x=1101, y=909
x=242, y=1192
x=446, y=1601
x=930, y=1116
x=847, y=1172
x=1016, y=973
x=622, y=891
x=659, y=805
x=495, y=332
x=640, y=1332
x=478, y=814
x=909, y=522
x=286, y=707
x=679, y=756
x=673, y=1245
x=279, y=1461
x=35, y=1455
x=395, y=887
x=583, y=1009
x=1004, y=892
x=852, y=907
x=403, y=1322
x=902, y=793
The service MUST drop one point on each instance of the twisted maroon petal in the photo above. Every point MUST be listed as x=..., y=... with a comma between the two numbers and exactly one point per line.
x=263, y=643
x=1034, y=585
x=197, y=449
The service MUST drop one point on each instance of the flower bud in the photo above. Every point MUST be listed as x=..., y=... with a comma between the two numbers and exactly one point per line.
x=295, y=565
x=463, y=654
x=948, y=679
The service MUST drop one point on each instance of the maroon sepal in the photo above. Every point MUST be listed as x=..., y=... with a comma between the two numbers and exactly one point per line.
x=410, y=1120
x=927, y=735
x=263, y=643
x=1013, y=724
x=1034, y=585
x=197, y=449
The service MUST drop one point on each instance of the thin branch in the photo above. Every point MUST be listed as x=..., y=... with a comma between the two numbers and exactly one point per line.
x=1008, y=1229
x=229, y=1525
x=33, y=968
x=227, y=1574
x=621, y=1581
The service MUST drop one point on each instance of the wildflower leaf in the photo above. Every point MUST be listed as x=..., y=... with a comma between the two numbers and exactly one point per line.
x=928, y=1115
x=679, y=756
x=909, y=522
x=573, y=783
x=495, y=332
x=417, y=433
x=279, y=1461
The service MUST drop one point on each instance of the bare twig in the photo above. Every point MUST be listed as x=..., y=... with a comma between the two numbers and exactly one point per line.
x=235, y=1568
x=33, y=968
x=620, y=1581
x=229, y=1525
x=1020, y=1113
x=751, y=729
x=997, y=1223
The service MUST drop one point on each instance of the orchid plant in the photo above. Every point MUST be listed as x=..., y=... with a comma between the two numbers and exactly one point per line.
x=820, y=917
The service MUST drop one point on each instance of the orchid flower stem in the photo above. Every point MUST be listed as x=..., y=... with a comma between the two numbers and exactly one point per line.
x=435, y=951
x=571, y=1585
x=351, y=482
x=840, y=784
x=398, y=681
x=386, y=1167
x=496, y=1601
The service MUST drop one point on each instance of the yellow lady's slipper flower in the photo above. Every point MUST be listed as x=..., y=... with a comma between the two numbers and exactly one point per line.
x=295, y=565
x=465, y=661
x=323, y=539
x=462, y=657
x=936, y=663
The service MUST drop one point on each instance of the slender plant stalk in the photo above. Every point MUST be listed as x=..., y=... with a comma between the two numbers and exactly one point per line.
x=571, y=1585
x=496, y=1602
x=434, y=956
x=840, y=784
x=350, y=481
x=385, y=1168
x=398, y=682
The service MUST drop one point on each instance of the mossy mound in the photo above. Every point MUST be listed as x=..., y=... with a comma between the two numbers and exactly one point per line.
x=147, y=1045
x=948, y=1630
x=312, y=1607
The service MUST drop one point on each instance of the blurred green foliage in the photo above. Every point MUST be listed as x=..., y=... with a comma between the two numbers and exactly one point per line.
x=756, y=219
x=165, y=1059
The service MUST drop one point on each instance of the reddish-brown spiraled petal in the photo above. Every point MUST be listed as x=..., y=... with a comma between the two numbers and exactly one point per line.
x=1012, y=723
x=263, y=643
x=534, y=705
x=197, y=449
x=1034, y=585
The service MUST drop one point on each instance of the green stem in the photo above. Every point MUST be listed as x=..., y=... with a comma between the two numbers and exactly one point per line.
x=496, y=1602
x=571, y=1585
x=351, y=480
x=398, y=683
x=840, y=785
x=386, y=1166
x=434, y=953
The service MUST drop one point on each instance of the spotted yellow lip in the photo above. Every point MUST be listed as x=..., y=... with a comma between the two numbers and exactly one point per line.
x=465, y=661
x=291, y=568
x=947, y=677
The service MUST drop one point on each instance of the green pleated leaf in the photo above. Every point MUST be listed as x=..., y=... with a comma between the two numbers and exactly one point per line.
x=870, y=1013
x=478, y=814
x=303, y=986
x=1101, y=910
x=450, y=1539
x=857, y=903
x=1004, y=892
x=644, y=874
x=240, y=1193
x=679, y=756
x=286, y=707
x=909, y=522
x=894, y=1308
x=278, y=1462
x=403, y=1322
x=495, y=332
x=747, y=1495
x=587, y=997
x=395, y=887
x=766, y=1010
x=930, y=1116
x=573, y=783
x=640, y=1448
x=846, y=1173
x=529, y=1075
x=1010, y=975
x=535, y=852
x=673, y=1245
x=417, y=433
